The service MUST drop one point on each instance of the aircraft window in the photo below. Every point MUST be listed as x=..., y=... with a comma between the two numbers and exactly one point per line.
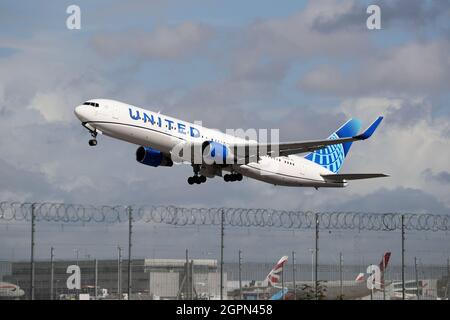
x=91, y=104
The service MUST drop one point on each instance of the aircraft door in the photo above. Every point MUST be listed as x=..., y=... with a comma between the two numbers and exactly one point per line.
x=115, y=112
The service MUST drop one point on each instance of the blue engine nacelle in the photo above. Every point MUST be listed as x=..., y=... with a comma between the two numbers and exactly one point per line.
x=152, y=157
x=217, y=152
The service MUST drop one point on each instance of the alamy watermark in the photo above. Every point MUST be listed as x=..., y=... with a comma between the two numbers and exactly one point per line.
x=73, y=21
x=373, y=22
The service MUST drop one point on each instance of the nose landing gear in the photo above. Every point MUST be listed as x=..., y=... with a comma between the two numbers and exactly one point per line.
x=93, y=142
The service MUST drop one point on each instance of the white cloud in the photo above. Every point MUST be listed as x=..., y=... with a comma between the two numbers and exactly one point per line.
x=417, y=67
x=162, y=43
x=51, y=106
x=399, y=147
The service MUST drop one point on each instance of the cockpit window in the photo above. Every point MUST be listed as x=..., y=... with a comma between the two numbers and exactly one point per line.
x=91, y=104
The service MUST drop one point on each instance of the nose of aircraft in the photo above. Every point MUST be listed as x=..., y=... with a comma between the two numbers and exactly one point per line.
x=81, y=112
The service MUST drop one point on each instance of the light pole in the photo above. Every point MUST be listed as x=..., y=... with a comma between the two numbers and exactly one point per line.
x=240, y=276
x=417, y=278
x=96, y=279
x=293, y=275
x=119, y=271
x=56, y=290
x=77, y=251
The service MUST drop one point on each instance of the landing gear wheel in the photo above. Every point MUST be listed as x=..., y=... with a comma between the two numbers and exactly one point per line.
x=232, y=177
x=196, y=179
x=93, y=141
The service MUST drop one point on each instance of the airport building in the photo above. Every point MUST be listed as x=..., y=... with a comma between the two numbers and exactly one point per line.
x=150, y=279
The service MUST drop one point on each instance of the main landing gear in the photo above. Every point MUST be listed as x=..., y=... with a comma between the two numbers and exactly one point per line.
x=93, y=142
x=196, y=178
x=232, y=177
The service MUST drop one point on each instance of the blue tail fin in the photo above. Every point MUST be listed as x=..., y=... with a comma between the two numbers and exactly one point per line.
x=332, y=157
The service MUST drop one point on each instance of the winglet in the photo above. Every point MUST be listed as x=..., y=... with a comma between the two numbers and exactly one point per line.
x=369, y=131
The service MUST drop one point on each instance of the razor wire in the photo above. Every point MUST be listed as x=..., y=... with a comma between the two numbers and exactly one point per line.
x=235, y=217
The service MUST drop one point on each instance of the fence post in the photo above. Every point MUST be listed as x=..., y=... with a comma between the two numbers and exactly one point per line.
x=221, y=252
x=383, y=273
x=119, y=272
x=188, y=279
x=51, y=273
x=96, y=279
x=282, y=282
x=448, y=278
x=316, y=258
x=341, y=294
x=33, y=227
x=403, y=257
x=130, y=230
x=293, y=275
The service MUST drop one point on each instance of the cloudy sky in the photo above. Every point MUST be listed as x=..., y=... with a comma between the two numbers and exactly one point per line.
x=301, y=66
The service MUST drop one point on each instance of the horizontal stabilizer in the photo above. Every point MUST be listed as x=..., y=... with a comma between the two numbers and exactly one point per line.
x=353, y=176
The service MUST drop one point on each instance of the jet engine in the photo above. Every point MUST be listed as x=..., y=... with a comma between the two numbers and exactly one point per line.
x=217, y=153
x=152, y=157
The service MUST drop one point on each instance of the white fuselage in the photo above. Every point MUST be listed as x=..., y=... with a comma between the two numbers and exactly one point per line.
x=9, y=290
x=150, y=129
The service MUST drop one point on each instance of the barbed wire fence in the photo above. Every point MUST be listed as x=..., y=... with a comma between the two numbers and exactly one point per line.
x=235, y=217
x=47, y=212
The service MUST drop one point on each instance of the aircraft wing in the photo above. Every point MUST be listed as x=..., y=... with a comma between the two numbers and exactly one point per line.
x=288, y=148
x=352, y=176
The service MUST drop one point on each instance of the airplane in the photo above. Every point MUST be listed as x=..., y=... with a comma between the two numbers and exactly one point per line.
x=164, y=140
x=262, y=289
x=331, y=290
x=9, y=290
